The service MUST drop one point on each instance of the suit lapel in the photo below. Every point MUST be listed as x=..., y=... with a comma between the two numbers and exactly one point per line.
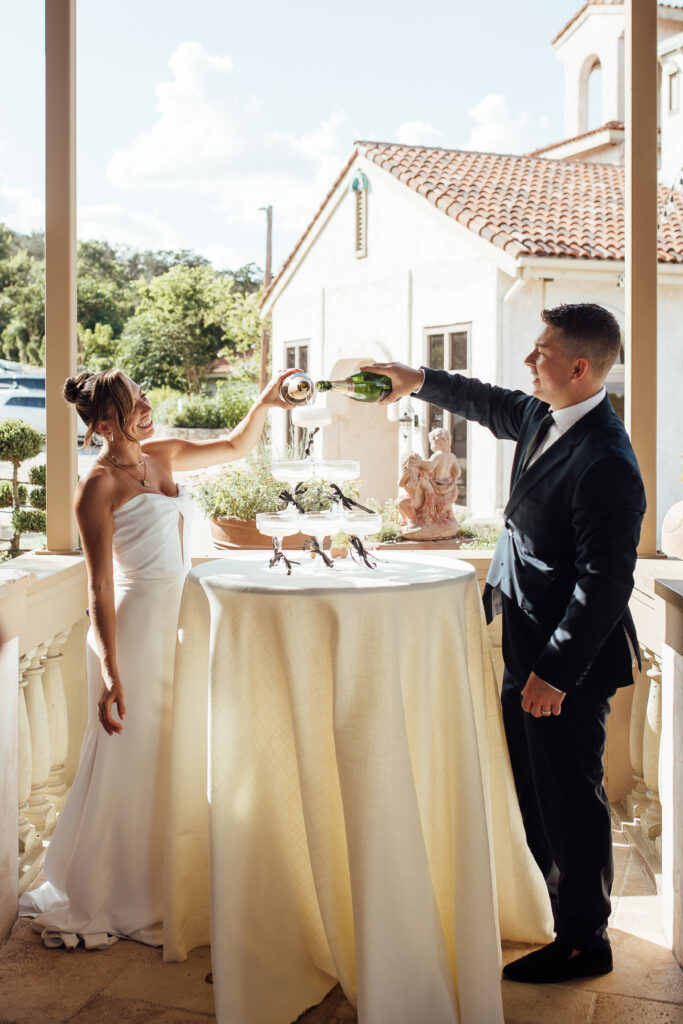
x=553, y=458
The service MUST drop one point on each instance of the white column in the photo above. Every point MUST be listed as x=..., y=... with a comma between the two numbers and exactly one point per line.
x=55, y=700
x=60, y=268
x=40, y=811
x=641, y=251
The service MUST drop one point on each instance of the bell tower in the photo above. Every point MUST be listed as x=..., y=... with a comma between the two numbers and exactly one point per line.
x=592, y=41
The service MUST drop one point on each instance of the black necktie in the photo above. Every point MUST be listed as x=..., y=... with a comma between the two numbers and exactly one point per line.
x=537, y=440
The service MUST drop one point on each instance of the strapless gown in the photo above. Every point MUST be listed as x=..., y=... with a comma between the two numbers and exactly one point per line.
x=104, y=865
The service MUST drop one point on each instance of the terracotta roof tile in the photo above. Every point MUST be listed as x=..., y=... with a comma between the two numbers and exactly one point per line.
x=524, y=205
x=528, y=203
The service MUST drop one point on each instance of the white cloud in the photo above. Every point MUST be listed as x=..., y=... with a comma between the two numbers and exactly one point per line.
x=197, y=130
x=113, y=222
x=498, y=129
x=210, y=140
x=418, y=133
x=21, y=209
x=222, y=257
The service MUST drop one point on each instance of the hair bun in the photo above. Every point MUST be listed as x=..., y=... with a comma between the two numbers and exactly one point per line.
x=73, y=386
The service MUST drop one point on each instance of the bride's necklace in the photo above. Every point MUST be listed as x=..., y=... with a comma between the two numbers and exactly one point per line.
x=126, y=467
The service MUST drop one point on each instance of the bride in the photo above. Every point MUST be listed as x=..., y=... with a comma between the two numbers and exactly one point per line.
x=104, y=865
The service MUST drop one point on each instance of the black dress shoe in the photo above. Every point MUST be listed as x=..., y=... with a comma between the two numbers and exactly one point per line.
x=556, y=963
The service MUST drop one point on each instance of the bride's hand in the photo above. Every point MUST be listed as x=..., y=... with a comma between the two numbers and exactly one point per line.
x=108, y=698
x=270, y=396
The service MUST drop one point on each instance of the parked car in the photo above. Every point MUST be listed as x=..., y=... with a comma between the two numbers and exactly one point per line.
x=28, y=405
x=21, y=380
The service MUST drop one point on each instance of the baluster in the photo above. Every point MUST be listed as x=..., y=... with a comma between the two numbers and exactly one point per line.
x=40, y=811
x=636, y=801
x=651, y=816
x=28, y=837
x=55, y=700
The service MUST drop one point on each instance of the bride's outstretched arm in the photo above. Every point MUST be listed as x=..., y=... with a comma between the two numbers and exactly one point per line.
x=178, y=455
x=96, y=525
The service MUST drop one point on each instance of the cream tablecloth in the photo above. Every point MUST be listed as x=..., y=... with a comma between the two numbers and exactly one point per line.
x=359, y=813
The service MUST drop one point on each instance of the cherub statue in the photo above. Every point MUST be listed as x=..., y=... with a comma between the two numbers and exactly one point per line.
x=430, y=489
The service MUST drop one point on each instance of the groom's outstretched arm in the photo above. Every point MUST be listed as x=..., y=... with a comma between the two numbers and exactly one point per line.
x=501, y=410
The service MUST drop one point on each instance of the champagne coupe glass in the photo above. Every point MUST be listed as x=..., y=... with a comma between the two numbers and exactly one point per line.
x=311, y=418
x=278, y=525
x=321, y=525
x=339, y=472
x=361, y=525
x=292, y=472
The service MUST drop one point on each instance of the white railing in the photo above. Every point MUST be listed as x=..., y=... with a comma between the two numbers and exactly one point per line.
x=43, y=747
x=43, y=691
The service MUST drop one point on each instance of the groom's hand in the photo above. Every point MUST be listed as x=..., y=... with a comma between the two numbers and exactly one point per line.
x=404, y=379
x=540, y=699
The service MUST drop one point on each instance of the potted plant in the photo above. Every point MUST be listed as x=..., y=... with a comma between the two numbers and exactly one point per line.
x=232, y=497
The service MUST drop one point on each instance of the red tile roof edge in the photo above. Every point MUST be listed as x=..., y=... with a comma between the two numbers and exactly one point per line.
x=463, y=211
x=612, y=125
x=311, y=224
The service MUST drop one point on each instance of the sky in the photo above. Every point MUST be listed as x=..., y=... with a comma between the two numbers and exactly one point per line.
x=193, y=115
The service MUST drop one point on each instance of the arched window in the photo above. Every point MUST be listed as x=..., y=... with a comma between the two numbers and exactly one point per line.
x=595, y=118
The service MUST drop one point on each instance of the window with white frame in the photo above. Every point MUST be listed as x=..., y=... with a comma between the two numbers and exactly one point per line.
x=296, y=355
x=614, y=382
x=448, y=348
x=673, y=91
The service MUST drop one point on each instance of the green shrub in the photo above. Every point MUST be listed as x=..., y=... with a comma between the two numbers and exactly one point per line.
x=7, y=496
x=38, y=498
x=241, y=492
x=37, y=475
x=28, y=520
x=19, y=441
x=390, y=529
x=475, y=536
x=221, y=411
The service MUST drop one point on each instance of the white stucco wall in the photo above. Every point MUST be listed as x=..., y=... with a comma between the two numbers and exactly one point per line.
x=598, y=33
x=422, y=271
x=671, y=122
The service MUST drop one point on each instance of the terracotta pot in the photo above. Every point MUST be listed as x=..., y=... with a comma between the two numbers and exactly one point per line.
x=242, y=533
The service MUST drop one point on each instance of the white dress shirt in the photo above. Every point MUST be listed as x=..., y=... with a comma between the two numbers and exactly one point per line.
x=564, y=419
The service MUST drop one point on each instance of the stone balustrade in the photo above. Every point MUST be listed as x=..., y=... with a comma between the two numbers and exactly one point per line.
x=642, y=804
x=43, y=745
x=43, y=708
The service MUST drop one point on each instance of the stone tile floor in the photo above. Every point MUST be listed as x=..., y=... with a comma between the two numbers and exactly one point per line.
x=130, y=983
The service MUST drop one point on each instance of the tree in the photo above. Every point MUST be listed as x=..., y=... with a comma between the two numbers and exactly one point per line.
x=19, y=442
x=22, y=307
x=247, y=278
x=104, y=296
x=184, y=318
x=97, y=348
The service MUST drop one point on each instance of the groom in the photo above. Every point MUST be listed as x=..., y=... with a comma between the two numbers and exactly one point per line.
x=562, y=575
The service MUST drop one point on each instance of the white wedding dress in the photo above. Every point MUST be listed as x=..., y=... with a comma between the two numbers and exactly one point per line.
x=104, y=865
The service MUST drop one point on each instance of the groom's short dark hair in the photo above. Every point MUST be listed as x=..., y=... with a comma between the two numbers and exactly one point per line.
x=589, y=330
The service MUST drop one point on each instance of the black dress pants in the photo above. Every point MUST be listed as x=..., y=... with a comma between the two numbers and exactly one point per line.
x=557, y=765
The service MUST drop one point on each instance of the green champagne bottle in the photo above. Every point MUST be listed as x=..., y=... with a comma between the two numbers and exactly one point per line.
x=363, y=386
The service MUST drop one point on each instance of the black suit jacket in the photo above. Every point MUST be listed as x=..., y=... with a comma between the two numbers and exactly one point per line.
x=565, y=558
